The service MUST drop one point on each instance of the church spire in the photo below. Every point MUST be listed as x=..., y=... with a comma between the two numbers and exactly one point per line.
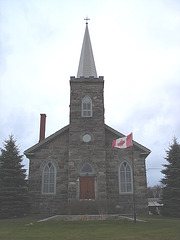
x=87, y=66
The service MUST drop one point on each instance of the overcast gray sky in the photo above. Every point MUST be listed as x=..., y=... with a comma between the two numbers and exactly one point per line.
x=136, y=46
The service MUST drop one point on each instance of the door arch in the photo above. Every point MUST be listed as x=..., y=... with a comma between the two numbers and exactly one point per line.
x=87, y=182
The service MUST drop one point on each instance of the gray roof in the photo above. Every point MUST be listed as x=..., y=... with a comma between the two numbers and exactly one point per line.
x=87, y=66
x=30, y=151
x=154, y=202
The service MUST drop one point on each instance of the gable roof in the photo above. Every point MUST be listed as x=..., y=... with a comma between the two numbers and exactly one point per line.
x=30, y=151
x=145, y=151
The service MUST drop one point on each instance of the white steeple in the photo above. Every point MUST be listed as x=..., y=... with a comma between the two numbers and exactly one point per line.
x=87, y=66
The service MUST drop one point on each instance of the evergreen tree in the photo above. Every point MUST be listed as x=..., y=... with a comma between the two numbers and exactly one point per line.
x=171, y=181
x=13, y=183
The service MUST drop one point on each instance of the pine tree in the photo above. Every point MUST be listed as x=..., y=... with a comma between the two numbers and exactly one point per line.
x=13, y=183
x=171, y=181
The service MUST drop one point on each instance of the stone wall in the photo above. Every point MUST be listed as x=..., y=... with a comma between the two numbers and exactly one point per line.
x=55, y=151
x=93, y=151
x=69, y=152
x=114, y=157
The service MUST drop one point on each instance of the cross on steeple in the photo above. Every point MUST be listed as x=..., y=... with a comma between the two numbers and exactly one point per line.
x=86, y=19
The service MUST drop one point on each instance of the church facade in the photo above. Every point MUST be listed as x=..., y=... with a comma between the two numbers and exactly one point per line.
x=76, y=167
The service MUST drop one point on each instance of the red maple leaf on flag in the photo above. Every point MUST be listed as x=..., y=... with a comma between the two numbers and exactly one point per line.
x=121, y=143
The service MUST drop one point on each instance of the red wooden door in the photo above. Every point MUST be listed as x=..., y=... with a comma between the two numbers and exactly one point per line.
x=87, y=188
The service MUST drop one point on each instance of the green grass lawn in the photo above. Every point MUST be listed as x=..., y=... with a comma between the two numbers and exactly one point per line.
x=91, y=230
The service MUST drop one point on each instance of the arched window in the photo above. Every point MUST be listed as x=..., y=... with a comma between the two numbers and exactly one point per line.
x=86, y=107
x=87, y=169
x=125, y=178
x=49, y=179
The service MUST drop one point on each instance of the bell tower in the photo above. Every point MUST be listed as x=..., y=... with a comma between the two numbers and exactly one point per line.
x=86, y=129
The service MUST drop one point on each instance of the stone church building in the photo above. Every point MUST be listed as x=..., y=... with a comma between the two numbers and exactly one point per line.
x=77, y=167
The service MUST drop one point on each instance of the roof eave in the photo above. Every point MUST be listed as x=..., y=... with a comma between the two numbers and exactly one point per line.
x=145, y=151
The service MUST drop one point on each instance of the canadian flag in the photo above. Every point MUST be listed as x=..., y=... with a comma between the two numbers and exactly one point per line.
x=124, y=142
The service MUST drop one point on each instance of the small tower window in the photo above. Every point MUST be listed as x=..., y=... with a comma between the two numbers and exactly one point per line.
x=86, y=107
x=49, y=179
x=125, y=178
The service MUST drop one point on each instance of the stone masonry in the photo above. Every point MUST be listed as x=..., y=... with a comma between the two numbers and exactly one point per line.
x=93, y=151
x=76, y=170
x=68, y=152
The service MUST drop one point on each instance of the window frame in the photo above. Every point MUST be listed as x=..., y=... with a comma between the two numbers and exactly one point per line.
x=87, y=165
x=126, y=182
x=49, y=183
x=85, y=109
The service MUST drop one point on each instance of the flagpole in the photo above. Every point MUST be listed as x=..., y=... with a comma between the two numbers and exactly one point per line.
x=126, y=142
x=134, y=199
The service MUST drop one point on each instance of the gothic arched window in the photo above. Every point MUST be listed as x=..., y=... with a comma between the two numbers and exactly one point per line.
x=86, y=107
x=87, y=169
x=49, y=179
x=125, y=178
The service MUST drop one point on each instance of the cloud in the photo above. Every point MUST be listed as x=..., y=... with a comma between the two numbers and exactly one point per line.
x=136, y=49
